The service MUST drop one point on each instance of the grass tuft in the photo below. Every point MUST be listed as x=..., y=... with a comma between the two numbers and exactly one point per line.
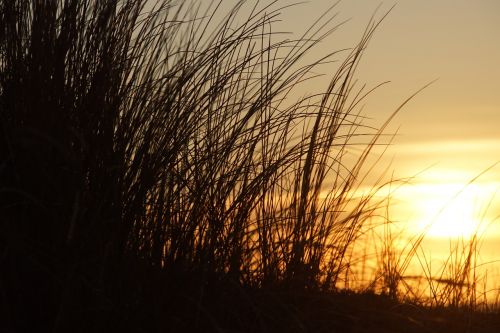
x=159, y=172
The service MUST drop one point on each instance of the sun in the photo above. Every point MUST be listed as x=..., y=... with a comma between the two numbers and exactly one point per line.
x=446, y=214
x=449, y=210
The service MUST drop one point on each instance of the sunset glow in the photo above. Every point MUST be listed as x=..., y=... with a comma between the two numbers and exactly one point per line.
x=451, y=210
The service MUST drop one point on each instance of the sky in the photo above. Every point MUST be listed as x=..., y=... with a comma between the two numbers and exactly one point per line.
x=448, y=134
x=451, y=126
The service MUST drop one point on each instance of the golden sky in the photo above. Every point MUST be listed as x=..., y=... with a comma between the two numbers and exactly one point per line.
x=453, y=123
x=451, y=129
x=448, y=134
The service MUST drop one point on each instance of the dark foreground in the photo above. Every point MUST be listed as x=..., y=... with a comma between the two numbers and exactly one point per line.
x=146, y=300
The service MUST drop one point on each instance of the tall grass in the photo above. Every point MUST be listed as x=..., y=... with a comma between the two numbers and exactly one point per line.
x=148, y=142
x=146, y=131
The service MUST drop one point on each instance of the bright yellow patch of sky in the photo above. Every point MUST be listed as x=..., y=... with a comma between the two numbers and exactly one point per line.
x=450, y=130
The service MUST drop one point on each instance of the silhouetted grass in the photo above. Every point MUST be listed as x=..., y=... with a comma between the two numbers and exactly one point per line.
x=159, y=173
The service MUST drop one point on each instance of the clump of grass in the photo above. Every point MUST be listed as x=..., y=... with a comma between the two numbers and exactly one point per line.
x=137, y=131
x=152, y=154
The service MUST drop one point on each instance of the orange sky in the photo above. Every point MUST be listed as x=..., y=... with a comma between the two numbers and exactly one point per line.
x=451, y=128
x=454, y=123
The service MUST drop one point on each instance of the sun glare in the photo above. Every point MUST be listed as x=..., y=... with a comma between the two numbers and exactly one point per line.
x=448, y=213
x=451, y=210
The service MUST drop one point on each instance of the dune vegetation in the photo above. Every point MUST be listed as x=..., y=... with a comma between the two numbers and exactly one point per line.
x=160, y=172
